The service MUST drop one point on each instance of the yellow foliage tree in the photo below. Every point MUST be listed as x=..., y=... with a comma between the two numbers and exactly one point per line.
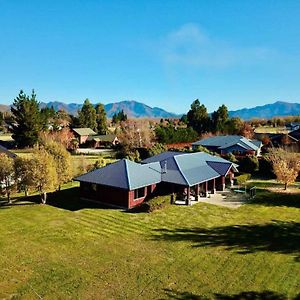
x=286, y=165
x=44, y=176
x=6, y=174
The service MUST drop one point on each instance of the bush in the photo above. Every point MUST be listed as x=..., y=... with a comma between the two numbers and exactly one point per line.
x=153, y=204
x=172, y=135
x=241, y=179
x=249, y=164
x=231, y=157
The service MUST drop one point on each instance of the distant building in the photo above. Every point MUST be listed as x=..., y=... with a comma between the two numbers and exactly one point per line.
x=82, y=134
x=293, y=126
x=90, y=138
x=235, y=144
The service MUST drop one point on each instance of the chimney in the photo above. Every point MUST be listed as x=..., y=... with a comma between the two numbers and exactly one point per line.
x=164, y=167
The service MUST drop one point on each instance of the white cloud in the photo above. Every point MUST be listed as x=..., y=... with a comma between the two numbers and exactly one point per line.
x=192, y=46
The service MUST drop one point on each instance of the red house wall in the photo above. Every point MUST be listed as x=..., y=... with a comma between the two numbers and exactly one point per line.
x=113, y=196
x=134, y=202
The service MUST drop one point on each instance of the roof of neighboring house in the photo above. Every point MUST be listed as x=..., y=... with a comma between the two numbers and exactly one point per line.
x=7, y=152
x=295, y=134
x=84, y=131
x=103, y=138
x=191, y=168
x=226, y=141
x=124, y=174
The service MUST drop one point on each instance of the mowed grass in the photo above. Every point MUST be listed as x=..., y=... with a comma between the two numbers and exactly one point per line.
x=70, y=249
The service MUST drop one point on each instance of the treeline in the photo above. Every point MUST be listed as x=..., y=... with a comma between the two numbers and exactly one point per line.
x=27, y=120
x=217, y=122
x=46, y=170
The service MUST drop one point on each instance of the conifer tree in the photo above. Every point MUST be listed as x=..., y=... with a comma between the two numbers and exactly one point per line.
x=87, y=115
x=101, y=119
x=27, y=120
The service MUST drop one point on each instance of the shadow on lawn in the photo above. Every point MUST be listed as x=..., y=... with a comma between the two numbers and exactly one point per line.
x=265, y=295
x=276, y=199
x=280, y=237
x=68, y=199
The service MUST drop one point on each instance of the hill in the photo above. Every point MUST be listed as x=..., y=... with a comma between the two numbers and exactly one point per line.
x=133, y=109
x=268, y=111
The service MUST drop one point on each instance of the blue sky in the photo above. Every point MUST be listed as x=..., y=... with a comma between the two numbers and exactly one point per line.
x=162, y=53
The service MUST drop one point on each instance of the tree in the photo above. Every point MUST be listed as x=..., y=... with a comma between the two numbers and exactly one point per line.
x=62, y=161
x=44, y=176
x=198, y=117
x=87, y=115
x=119, y=117
x=219, y=118
x=6, y=174
x=286, y=165
x=101, y=119
x=249, y=164
x=23, y=174
x=27, y=118
x=233, y=125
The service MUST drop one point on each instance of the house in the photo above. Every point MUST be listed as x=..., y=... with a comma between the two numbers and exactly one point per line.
x=235, y=144
x=103, y=140
x=120, y=183
x=83, y=134
x=127, y=184
x=293, y=126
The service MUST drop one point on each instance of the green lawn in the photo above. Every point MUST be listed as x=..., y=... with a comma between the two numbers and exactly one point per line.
x=71, y=250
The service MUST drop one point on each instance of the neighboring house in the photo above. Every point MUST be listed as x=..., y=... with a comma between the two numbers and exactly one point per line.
x=235, y=144
x=90, y=138
x=293, y=126
x=127, y=184
x=103, y=140
x=82, y=134
x=7, y=152
x=295, y=134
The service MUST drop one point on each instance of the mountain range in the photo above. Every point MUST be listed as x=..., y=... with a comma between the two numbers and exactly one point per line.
x=136, y=109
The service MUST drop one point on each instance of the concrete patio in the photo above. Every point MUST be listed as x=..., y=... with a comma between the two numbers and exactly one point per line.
x=225, y=198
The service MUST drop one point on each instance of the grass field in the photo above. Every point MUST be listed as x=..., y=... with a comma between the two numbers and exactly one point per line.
x=269, y=129
x=70, y=249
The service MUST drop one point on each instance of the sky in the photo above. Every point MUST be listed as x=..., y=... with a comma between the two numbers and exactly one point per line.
x=162, y=53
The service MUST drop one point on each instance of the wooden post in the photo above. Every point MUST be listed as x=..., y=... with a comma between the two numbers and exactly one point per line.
x=223, y=183
x=206, y=189
x=188, y=201
x=213, y=191
x=197, y=192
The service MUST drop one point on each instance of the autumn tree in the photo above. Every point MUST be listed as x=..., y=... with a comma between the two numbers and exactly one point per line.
x=87, y=115
x=27, y=120
x=6, y=174
x=23, y=174
x=44, y=176
x=198, y=118
x=286, y=165
x=101, y=119
x=62, y=161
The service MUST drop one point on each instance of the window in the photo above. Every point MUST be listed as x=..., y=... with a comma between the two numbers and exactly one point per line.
x=94, y=187
x=139, y=193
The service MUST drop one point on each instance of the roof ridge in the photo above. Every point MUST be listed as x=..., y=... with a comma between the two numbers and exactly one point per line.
x=182, y=174
x=126, y=171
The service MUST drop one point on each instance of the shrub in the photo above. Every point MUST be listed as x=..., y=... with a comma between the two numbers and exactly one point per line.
x=248, y=164
x=241, y=179
x=153, y=204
